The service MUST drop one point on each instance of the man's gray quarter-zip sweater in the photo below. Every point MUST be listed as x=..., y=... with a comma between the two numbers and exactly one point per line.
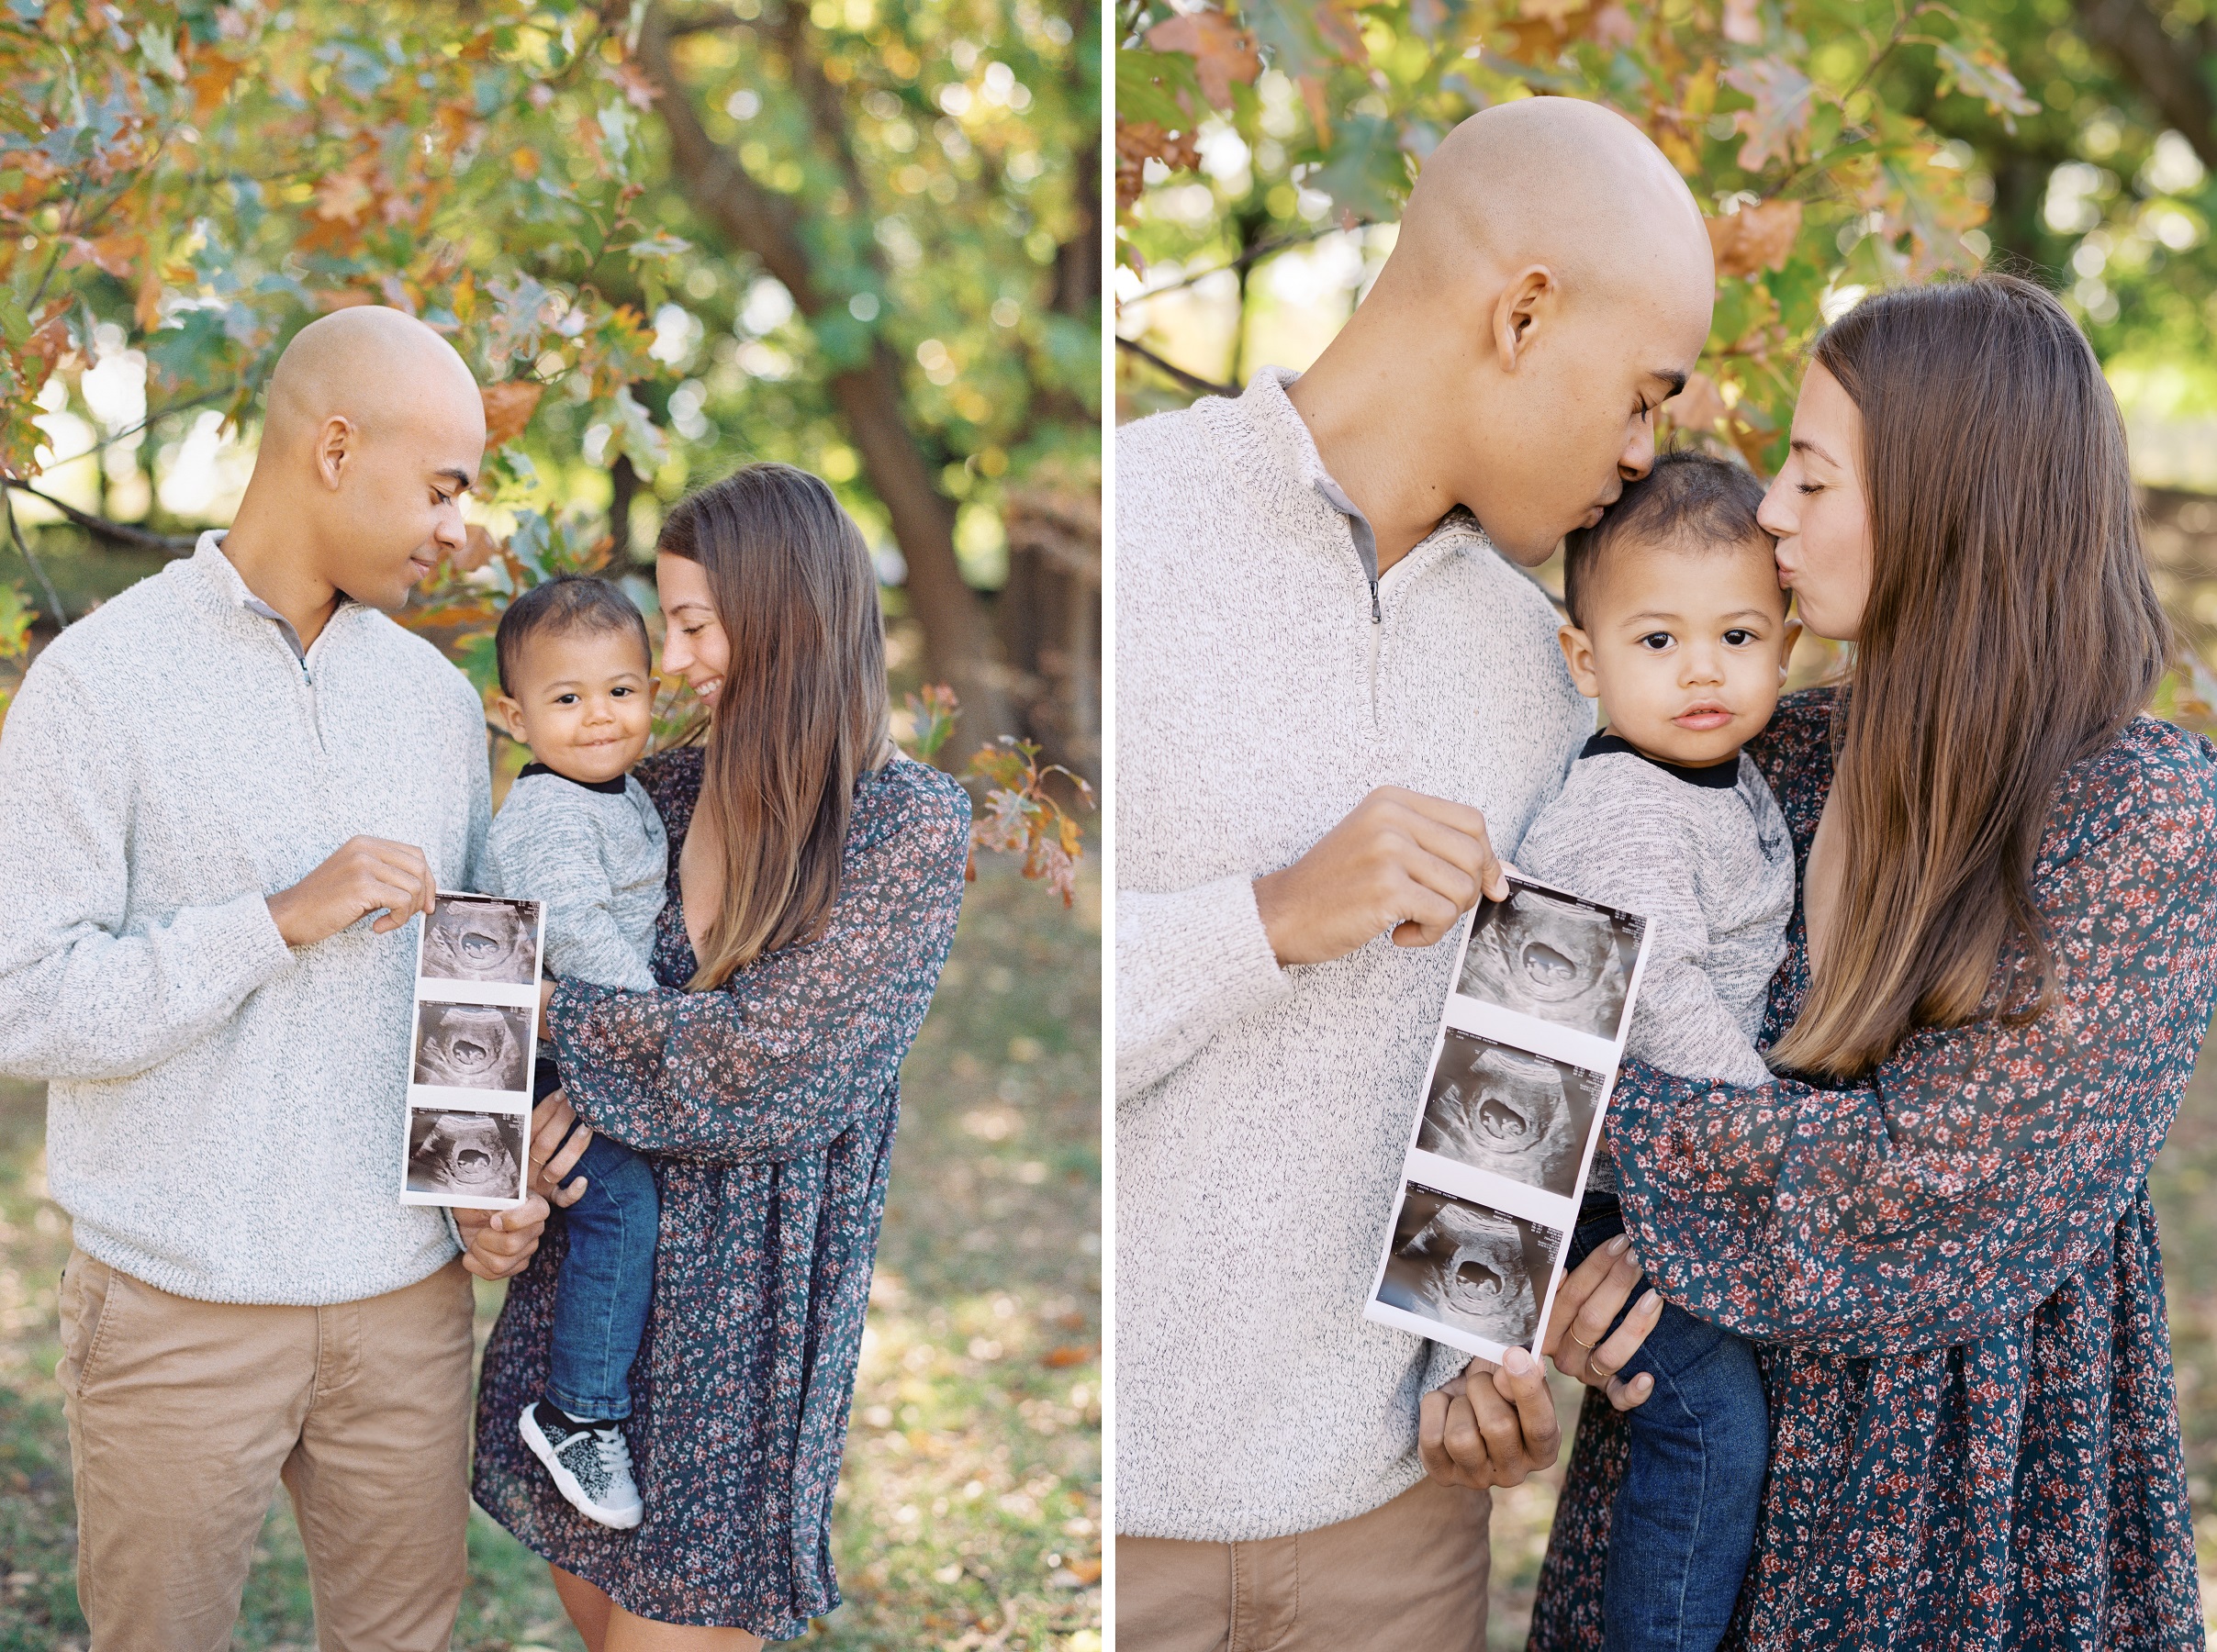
x=1263, y=687
x=224, y=1112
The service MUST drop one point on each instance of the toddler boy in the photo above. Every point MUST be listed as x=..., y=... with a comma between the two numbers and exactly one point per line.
x=577, y=834
x=1678, y=627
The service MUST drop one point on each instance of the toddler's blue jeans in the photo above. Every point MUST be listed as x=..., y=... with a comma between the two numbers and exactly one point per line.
x=1684, y=1523
x=606, y=1280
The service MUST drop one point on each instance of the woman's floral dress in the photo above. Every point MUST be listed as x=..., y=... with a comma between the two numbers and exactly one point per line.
x=1974, y=1432
x=766, y=1109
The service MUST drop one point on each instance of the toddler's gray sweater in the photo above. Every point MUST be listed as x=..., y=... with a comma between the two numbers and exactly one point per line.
x=1262, y=1112
x=598, y=857
x=224, y=1114
x=1705, y=855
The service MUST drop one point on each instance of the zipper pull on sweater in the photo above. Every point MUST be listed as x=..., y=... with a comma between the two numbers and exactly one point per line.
x=1376, y=617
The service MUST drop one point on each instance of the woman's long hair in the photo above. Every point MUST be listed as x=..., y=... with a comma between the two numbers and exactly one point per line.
x=2011, y=631
x=802, y=711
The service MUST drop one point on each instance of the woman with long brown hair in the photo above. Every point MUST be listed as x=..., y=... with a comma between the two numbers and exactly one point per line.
x=814, y=878
x=1999, y=970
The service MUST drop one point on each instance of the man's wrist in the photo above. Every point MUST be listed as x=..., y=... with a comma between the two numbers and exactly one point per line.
x=280, y=912
x=1270, y=909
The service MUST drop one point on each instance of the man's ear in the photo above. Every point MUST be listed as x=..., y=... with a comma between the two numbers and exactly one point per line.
x=1791, y=635
x=337, y=439
x=1527, y=299
x=1578, y=654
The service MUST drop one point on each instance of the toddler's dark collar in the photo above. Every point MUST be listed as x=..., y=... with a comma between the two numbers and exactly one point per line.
x=615, y=789
x=1722, y=776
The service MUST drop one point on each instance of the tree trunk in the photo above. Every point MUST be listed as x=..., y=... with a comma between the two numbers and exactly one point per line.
x=2169, y=72
x=623, y=487
x=958, y=648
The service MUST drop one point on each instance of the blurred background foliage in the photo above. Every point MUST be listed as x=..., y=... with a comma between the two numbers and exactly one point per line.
x=1837, y=146
x=857, y=235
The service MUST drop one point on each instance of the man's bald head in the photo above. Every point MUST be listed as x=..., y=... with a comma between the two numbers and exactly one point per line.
x=373, y=429
x=375, y=366
x=1550, y=288
x=1562, y=182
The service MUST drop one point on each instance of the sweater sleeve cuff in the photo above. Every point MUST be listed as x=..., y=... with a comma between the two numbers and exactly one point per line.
x=1188, y=964
x=243, y=930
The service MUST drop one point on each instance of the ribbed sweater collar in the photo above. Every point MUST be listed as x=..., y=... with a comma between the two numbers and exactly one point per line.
x=1295, y=485
x=221, y=579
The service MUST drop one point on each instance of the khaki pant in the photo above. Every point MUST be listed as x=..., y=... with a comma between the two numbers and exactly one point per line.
x=1410, y=1576
x=185, y=1415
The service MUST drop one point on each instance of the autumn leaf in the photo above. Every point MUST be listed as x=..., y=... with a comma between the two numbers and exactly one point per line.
x=1781, y=115
x=1222, y=52
x=1755, y=237
x=478, y=546
x=1977, y=71
x=346, y=197
x=211, y=79
x=1139, y=141
x=1698, y=407
x=509, y=407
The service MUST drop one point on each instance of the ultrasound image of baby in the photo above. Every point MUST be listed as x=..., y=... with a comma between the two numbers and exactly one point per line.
x=472, y=939
x=1469, y=1267
x=1517, y=1115
x=465, y=1155
x=1553, y=957
x=472, y=1047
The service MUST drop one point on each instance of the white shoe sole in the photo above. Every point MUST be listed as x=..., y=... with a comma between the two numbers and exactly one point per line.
x=621, y=1520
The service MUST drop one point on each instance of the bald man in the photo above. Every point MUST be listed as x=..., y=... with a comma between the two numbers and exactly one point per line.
x=224, y=796
x=1339, y=701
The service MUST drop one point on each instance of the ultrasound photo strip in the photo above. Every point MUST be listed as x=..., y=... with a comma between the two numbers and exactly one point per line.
x=1505, y=1132
x=471, y=1050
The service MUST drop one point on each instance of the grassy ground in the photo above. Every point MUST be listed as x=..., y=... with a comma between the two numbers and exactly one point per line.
x=2184, y=1188
x=970, y=1511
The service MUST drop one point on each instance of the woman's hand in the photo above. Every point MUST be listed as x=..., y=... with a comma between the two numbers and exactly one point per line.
x=550, y=1119
x=1590, y=1297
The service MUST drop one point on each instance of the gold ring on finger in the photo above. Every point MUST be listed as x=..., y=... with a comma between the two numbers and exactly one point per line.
x=1580, y=1341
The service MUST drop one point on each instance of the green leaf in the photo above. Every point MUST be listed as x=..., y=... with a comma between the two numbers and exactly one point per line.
x=1366, y=172
x=1978, y=72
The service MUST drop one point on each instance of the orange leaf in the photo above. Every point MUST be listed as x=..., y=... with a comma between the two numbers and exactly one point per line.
x=1698, y=407
x=1073, y=1354
x=1781, y=115
x=509, y=407
x=345, y=197
x=1085, y=1571
x=1755, y=237
x=146, y=304
x=1220, y=48
x=212, y=77
x=478, y=549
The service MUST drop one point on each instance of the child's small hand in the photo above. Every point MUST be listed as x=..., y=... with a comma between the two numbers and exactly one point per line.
x=553, y=1157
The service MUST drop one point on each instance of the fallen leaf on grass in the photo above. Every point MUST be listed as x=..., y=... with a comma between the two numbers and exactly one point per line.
x=1072, y=1355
